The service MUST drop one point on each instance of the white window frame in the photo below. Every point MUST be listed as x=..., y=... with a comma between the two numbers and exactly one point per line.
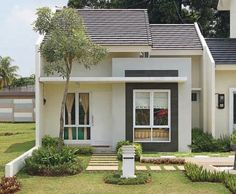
x=152, y=126
x=77, y=125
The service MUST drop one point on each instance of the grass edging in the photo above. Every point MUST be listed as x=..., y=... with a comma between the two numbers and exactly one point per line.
x=115, y=178
x=197, y=174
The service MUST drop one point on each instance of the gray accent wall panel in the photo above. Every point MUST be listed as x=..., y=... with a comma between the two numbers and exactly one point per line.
x=152, y=73
x=154, y=146
x=173, y=87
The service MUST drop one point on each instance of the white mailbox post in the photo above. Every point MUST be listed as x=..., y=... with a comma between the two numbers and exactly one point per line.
x=128, y=162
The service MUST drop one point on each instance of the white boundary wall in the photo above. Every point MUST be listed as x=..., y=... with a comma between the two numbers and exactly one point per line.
x=13, y=167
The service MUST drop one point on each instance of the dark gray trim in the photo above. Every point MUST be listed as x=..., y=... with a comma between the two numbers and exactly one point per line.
x=154, y=146
x=151, y=73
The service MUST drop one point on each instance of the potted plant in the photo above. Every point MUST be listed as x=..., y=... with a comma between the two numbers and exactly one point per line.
x=233, y=146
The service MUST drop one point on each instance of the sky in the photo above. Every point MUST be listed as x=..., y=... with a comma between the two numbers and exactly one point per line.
x=17, y=39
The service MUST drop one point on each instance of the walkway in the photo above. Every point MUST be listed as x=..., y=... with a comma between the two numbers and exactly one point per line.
x=101, y=162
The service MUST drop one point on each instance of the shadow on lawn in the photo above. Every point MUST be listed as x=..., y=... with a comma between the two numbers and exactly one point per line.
x=20, y=147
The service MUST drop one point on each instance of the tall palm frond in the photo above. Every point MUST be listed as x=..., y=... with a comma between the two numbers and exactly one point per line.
x=7, y=71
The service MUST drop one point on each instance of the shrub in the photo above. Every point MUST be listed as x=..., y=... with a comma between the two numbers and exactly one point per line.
x=141, y=178
x=83, y=150
x=9, y=185
x=197, y=174
x=53, y=162
x=163, y=160
x=204, y=142
x=120, y=144
x=138, y=151
x=233, y=138
x=48, y=141
x=230, y=183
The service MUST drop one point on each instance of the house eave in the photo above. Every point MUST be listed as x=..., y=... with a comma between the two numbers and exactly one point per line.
x=111, y=80
x=175, y=52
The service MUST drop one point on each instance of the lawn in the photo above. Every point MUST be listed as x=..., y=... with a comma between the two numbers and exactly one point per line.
x=163, y=182
x=22, y=140
x=15, y=139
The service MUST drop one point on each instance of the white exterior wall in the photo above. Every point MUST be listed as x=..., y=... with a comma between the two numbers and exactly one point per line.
x=183, y=65
x=118, y=112
x=104, y=69
x=232, y=19
x=224, y=81
x=208, y=87
x=101, y=110
x=229, y=5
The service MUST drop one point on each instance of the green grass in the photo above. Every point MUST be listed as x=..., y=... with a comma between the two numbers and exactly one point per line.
x=187, y=154
x=14, y=145
x=23, y=139
x=162, y=182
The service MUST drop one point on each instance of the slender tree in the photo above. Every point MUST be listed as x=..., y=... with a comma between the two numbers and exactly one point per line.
x=8, y=72
x=65, y=45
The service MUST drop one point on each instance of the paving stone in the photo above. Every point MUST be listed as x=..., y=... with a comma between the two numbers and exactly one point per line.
x=155, y=167
x=169, y=167
x=101, y=164
x=98, y=168
x=141, y=168
x=102, y=161
x=180, y=167
x=201, y=156
x=168, y=156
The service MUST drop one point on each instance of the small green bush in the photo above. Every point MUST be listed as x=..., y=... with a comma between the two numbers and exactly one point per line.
x=204, y=142
x=197, y=174
x=141, y=178
x=233, y=138
x=84, y=150
x=9, y=185
x=120, y=144
x=138, y=151
x=49, y=141
x=53, y=162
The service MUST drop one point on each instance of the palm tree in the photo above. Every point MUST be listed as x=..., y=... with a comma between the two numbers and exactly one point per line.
x=7, y=71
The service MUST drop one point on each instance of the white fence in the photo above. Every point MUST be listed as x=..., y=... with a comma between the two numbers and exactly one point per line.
x=13, y=167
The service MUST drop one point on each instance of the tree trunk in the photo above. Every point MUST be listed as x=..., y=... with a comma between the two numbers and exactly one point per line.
x=63, y=110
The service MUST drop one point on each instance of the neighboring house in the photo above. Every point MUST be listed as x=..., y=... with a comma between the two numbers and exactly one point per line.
x=156, y=84
x=17, y=104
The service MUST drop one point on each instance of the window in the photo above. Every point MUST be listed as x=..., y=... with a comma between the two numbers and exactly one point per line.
x=77, y=117
x=151, y=115
x=194, y=97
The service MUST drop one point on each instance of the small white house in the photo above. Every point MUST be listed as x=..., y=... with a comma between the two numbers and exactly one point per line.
x=157, y=83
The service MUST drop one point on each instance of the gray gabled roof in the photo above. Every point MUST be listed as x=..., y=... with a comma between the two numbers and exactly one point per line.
x=117, y=26
x=175, y=37
x=223, y=50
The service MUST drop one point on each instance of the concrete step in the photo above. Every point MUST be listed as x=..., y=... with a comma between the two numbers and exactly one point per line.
x=101, y=168
x=105, y=161
x=102, y=164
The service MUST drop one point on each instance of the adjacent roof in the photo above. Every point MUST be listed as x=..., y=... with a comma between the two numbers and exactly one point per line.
x=117, y=26
x=223, y=50
x=175, y=37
